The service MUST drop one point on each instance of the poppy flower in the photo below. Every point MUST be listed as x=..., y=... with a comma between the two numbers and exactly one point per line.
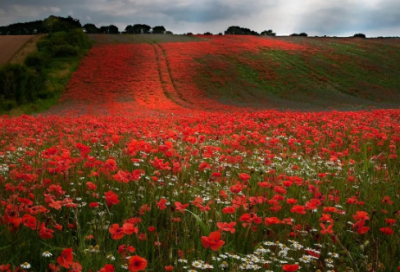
x=290, y=267
x=227, y=226
x=387, y=231
x=117, y=233
x=271, y=221
x=45, y=233
x=111, y=198
x=229, y=210
x=244, y=176
x=136, y=263
x=236, y=188
x=298, y=209
x=162, y=204
x=213, y=241
x=107, y=268
x=66, y=258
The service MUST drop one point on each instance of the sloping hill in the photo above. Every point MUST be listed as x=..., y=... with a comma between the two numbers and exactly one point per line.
x=166, y=73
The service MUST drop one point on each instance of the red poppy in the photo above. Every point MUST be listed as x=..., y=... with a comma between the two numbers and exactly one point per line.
x=213, y=241
x=66, y=258
x=162, y=204
x=326, y=230
x=244, y=176
x=387, y=231
x=227, y=226
x=169, y=268
x=236, y=188
x=129, y=228
x=45, y=233
x=298, y=209
x=116, y=232
x=137, y=263
x=107, y=268
x=111, y=198
x=229, y=210
x=271, y=221
x=290, y=267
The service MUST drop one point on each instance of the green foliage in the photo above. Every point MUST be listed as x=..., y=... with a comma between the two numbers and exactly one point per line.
x=64, y=44
x=65, y=50
x=268, y=33
x=36, y=60
x=19, y=83
x=359, y=35
x=236, y=30
x=31, y=82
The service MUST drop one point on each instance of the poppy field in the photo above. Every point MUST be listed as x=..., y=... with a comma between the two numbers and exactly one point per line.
x=140, y=167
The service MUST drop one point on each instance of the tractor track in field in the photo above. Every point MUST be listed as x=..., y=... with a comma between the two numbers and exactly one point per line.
x=169, y=88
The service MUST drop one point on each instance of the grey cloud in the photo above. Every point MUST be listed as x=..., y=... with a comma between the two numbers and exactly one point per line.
x=311, y=16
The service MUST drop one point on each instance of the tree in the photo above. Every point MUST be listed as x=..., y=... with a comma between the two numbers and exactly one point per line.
x=141, y=29
x=91, y=29
x=268, y=33
x=58, y=24
x=208, y=33
x=359, y=35
x=129, y=29
x=302, y=34
x=236, y=30
x=111, y=29
x=159, y=30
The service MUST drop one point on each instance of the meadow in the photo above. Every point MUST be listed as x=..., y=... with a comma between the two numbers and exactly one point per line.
x=209, y=153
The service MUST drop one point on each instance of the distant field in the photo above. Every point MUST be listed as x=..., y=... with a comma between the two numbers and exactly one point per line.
x=10, y=45
x=124, y=38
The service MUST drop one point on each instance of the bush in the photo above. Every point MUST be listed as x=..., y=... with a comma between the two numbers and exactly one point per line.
x=64, y=50
x=36, y=60
x=19, y=83
x=45, y=46
x=64, y=44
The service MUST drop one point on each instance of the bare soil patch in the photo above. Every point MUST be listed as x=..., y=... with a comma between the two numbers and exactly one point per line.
x=26, y=49
x=9, y=46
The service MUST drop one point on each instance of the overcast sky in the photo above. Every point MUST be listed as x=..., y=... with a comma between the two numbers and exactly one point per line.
x=316, y=17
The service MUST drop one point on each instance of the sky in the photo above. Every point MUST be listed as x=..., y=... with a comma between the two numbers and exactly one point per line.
x=315, y=17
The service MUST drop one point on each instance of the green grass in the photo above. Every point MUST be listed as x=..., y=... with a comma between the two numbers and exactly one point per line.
x=347, y=73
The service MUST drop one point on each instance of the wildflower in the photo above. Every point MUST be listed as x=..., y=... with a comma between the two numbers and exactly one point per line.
x=213, y=241
x=107, y=268
x=66, y=258
x=387, y=231
x=111, y=198
x=227, y=226
x=47, y=254
x=290, y=267
x=137, y=263
x=26, y=265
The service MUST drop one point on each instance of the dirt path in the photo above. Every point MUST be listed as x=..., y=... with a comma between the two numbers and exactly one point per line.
x=26, y=49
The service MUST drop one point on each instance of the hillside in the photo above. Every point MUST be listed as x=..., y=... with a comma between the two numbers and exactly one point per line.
x=138, y=73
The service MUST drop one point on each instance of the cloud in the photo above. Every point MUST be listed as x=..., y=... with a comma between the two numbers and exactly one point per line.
x=22, y=13
x=315, y=17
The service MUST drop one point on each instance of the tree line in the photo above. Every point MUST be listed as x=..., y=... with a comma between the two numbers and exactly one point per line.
x=56, y=24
